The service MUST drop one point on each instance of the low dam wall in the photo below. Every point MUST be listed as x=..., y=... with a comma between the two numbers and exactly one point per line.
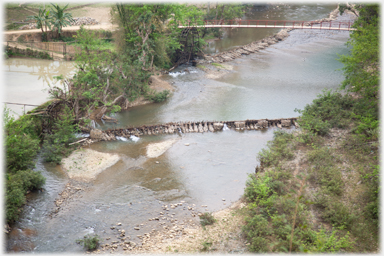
x=187, y=127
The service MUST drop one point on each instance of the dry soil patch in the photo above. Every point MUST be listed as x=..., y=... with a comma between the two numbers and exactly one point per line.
x=86, y=164
x=157, y=149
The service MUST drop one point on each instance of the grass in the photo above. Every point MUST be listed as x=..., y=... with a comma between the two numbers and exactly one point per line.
x=218, y=65
x=207, y=219
x=13, y=26
x=309, y=177
x=90, y=242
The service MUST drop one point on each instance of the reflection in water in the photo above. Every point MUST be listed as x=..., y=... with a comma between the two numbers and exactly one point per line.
x=241, y=36
x=27, y=80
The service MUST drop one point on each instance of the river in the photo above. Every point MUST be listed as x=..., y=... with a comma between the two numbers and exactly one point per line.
x=212, y=170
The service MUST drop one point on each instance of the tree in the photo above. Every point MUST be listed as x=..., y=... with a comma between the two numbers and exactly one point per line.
x=21, y=147
x=361, y=67
x=104, y=79
x=150, y=32
x=42, y=19
x=58, y=144
x=60, y=18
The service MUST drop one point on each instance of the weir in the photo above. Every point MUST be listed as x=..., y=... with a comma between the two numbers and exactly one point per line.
x=187, y=127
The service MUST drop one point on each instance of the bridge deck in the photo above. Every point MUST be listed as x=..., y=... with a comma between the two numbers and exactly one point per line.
x=324, y=25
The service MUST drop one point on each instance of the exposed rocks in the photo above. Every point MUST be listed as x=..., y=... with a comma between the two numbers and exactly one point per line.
x=240, y=125
x=96, y=134
x=282, y=35
x=286, y=122
x=78, y=21
x=182, y=236
x=218, y=126
x=246, y=49
x=28, y=26
x=186, y=127
x=72, y=190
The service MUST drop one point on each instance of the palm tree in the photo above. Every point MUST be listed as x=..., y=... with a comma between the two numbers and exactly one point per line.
x=43, y=19
x=60, y=18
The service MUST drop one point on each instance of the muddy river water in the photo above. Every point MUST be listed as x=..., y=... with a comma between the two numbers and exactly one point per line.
x=210, y=173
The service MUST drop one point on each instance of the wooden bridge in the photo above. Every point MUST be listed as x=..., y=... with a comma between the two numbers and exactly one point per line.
x=239, y=23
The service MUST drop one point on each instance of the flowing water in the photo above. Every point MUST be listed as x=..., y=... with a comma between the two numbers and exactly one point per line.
x=208, y=169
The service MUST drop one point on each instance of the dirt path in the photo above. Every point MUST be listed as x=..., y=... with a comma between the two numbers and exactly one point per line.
x=72, y=28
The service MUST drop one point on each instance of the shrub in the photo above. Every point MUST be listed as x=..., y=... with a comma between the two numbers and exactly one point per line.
x=207, y=219
x=257, y=232
x=206, y=246
x=90, y=242
x=21, y=142
x=17, y=185
x=278, y=149
x=330, y=109
x=329, y=241
x=158, y=97
x=257, y=188
x=56, y=145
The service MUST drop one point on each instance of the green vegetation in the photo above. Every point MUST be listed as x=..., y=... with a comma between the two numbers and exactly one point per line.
x=206, y=246
x=158, y=97
x=43, y=20
x=90, y=242
x=207, y=219
x=21, y=143
x=60, y=18
x=56, y=18
x=219, y=13
x=58, y=144
x=149, y=33
x=13, y=26
x=218, y=65
x=16, y=52
x=314, y=193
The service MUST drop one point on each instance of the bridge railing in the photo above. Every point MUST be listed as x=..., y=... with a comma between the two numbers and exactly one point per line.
x=236, y=23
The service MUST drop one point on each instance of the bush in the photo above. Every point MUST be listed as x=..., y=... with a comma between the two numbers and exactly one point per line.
x=278, y=149
x=329, y=241
x=207, y=219
x=158, y=97
x=89, y=242
x=56, y=145
x=330, y=109
x=21, y=142
x=18, y=185
x=257, y=188
x=257, y=232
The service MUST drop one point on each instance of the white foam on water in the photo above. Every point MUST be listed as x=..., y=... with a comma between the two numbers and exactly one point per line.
x=81, y=135
x=121, y=138
x=175, y=74
x=225, y=127
x=134, y=138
